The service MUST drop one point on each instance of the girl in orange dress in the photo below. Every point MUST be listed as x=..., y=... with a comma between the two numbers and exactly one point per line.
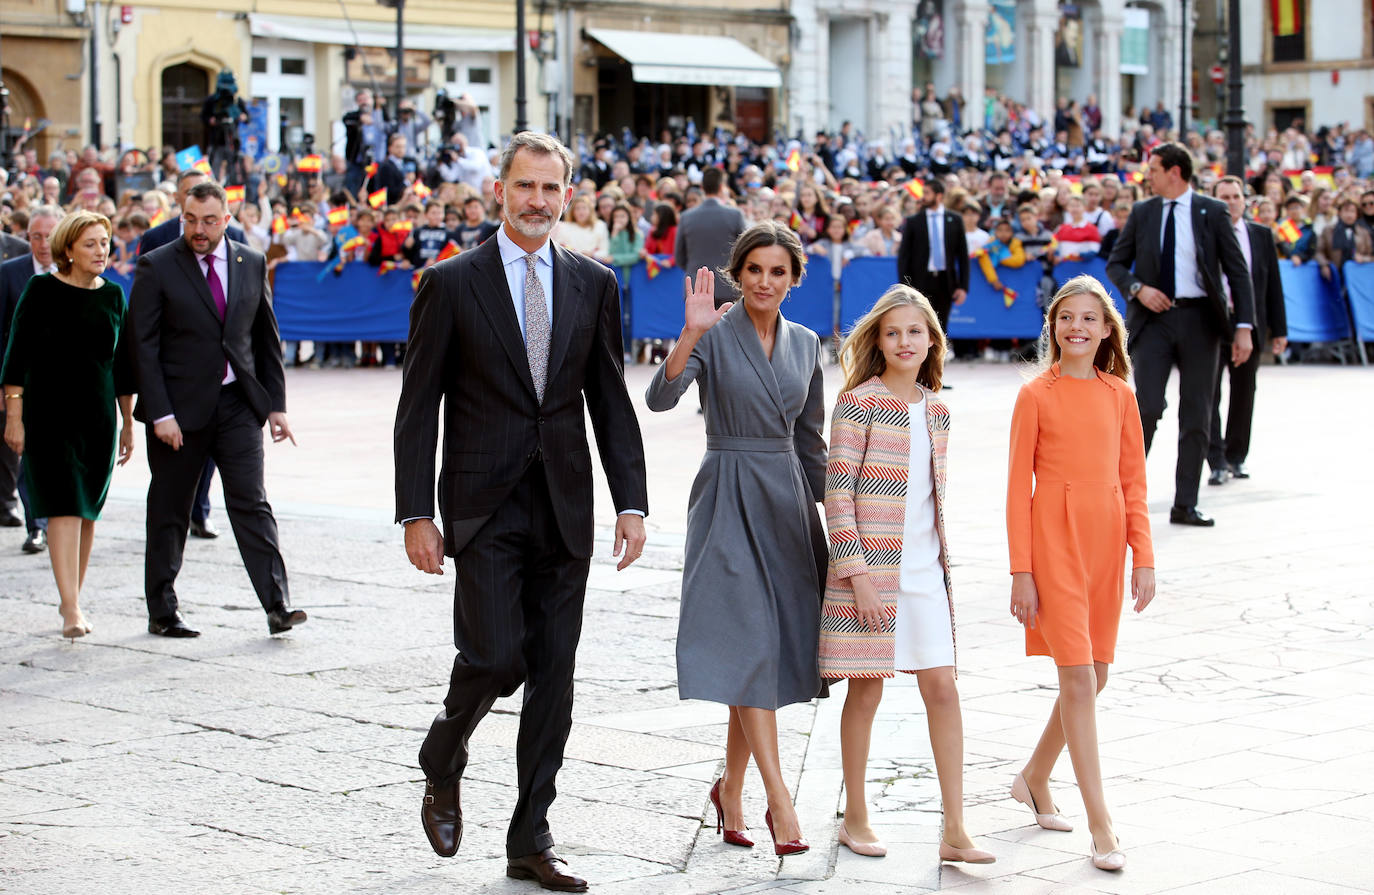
x=1076, y=431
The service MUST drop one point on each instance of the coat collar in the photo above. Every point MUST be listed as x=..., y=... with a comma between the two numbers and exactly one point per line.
x=190, y=266
x=748, y=339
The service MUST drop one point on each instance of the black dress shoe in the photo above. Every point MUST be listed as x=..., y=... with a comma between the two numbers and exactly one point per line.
x=547, y=869
x=9, y=520
x=36, y=542
x=441, y=813
x=283, y=619
x=1219, y=476
x=170, y=626
x=204, y=529
x=1190, y=516
x=1238, y=471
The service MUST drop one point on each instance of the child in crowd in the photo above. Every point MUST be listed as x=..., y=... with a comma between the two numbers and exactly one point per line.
x=1077, y=236
x=474, y=229
x=1076, y=434
x=428, y=239
x=888, y=605
x=834, y=244
x=1005, y=250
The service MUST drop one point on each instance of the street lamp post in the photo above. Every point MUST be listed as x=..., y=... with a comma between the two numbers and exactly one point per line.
x=1183, y=70
x=1235, y=115
x=521, y=122
x=400, y=7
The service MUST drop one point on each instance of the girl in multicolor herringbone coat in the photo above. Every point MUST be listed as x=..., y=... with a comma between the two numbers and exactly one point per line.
x=887, y=596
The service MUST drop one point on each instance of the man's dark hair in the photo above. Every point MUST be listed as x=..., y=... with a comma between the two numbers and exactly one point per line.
x=1174, y=155
x=711, y=180
x=935, y=185
x=1230, y=178
x=183, y=176
x=208, y=189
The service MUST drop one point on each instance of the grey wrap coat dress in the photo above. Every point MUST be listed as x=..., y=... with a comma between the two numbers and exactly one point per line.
x=756, y=551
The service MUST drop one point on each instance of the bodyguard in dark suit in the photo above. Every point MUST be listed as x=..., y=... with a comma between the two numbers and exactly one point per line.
x=933, y=255
x=1226, y=454
x=167, y=232
x=1169, y=259
x=208, y=359
x=391, y=173
x=12, y=247
x=706, y=233
x=515, y=337
x=14, y=276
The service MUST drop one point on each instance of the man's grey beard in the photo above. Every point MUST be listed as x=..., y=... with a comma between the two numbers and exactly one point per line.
x=531, y=228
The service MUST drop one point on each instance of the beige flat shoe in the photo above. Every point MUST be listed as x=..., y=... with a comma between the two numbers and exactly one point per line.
x=1112, y=860
x=1020, y=791
x=965, y=855
x=867, y=849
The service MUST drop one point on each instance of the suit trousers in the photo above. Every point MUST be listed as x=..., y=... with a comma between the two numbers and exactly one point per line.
x=9, y=472
x=233, y=439
x=1181, y=336
x=200, y=510
x=517, y=618
x=936, y=288
x=1230, y=450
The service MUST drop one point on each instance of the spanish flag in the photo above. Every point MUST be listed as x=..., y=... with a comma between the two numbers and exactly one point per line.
x=1287, y=17
x=1008, y=297
x=652, y=267
x=310, y=164
x=421, y=190
x=915, y=188
x=157, y=218
x=794, y=161
x=1289, y=231
x=851, y=226
x=795, y=221
x=1036, y=181
x=403, y=227
x=385, y=268
x=203, y=166
x=356, y=242
x=279, y=224
x=338, y=216
x=281, y=180
x=233, y=194
x=377, y=199
x=415, y=280
x=1138, y=175
x=371, y=169
x=450, y=249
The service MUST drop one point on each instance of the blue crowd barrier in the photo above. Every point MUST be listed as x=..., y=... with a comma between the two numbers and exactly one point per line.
x=1312, y=305
x=125, y=282
x=1359, y=284
x=983, y=315
x=656, y=310
x=812, y=302
x=1095, y=266
x=312, y=302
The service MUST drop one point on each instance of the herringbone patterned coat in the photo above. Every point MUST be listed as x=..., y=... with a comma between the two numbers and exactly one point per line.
x=865, y=508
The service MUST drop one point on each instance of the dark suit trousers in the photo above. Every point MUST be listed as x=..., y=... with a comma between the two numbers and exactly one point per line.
x=233, y=439
x=1181, y=336
x=1232, y=449
x=936, y=288
x=200, y=510
x=517, y=617
x=9, y=472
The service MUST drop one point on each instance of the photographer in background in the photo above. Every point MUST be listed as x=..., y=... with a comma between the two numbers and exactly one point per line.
x=364, y=140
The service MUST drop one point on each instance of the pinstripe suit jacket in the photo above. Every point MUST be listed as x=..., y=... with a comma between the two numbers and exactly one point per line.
x=865, y=509
x=466, y=348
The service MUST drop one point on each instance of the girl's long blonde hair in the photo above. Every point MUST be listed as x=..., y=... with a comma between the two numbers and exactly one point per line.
x=860, y=357
x=1111, y=353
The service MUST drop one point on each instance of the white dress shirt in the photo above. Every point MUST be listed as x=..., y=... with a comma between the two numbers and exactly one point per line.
x=1187, y=283
x=40, y=269
x=935, y=231
x=513, y=260
x=221, y=262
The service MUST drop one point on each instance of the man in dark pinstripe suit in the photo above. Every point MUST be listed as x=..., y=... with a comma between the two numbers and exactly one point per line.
x=515, y=336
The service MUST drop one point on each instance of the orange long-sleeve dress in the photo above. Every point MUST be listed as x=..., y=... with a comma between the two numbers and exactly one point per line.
x=1081, y=442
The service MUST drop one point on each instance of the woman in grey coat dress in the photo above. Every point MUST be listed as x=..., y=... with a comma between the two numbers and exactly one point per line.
x=756, y=550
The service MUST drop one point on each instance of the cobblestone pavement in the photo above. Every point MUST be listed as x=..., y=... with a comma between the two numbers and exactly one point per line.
x=1236, y=730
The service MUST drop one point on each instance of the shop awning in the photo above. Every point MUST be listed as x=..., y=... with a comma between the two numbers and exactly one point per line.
x=659, y=58
x=381, y=34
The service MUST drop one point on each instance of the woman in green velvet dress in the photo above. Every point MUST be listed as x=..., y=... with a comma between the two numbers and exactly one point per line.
x=65, y=370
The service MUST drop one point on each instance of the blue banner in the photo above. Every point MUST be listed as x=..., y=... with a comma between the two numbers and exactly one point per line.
x=983, y=315
x=1001, y=32
x=1313, y=305
x=1095, y=267
x=313, y=303
x=188, y=157
x=1359, y=283
x=656, y=310
x=812, y=302
x=253, y=132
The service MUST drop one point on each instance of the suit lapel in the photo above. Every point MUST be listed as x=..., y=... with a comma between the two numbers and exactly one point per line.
x=186, y=259
x=567, y=292
x=235, y=294
x=493, y=295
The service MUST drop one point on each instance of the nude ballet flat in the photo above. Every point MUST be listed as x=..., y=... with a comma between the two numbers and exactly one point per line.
x=1020, y=791
x=965, y=855
x=867, y=849
x=1112, y=860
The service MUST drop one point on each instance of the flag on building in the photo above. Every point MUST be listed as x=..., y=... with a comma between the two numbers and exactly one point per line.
x=1287, y=17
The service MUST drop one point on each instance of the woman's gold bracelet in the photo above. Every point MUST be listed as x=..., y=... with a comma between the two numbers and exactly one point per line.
x=19, y=395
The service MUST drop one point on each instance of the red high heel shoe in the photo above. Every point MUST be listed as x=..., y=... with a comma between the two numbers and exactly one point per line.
x=793, y=847
x=732, y=837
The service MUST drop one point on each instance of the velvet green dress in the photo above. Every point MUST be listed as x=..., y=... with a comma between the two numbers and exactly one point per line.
x=66, y=350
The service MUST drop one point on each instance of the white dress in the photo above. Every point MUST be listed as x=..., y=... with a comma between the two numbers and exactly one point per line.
x=924, y=636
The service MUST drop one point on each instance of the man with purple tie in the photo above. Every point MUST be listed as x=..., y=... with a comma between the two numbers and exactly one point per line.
x=210, y=375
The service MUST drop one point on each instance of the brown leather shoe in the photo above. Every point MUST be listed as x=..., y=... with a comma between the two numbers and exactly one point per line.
x=442, y=816
x=547, y=869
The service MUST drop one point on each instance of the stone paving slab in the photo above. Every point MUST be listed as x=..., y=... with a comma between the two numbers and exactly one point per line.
x=1235, y=729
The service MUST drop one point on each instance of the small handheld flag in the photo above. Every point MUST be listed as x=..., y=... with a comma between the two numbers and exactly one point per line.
x=1008, y=297
x=794, y=161
x=421, y=190
x=279, y=224
x=310, y=164
x=338, y=216
x=403, y=227
x=233, y=194
x=377, y=199
x=915, y=189
x=385, y=268
x=795, y=221
x=450, y=249
x=203, y=166
x=1288, y=231
x=415, y=279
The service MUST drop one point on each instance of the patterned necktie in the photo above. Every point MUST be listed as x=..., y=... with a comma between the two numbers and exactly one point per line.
x=536, y=328
x=1166, y=254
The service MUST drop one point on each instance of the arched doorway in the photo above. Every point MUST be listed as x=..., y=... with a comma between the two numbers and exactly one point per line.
x=184, y=89
x=25, y=105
